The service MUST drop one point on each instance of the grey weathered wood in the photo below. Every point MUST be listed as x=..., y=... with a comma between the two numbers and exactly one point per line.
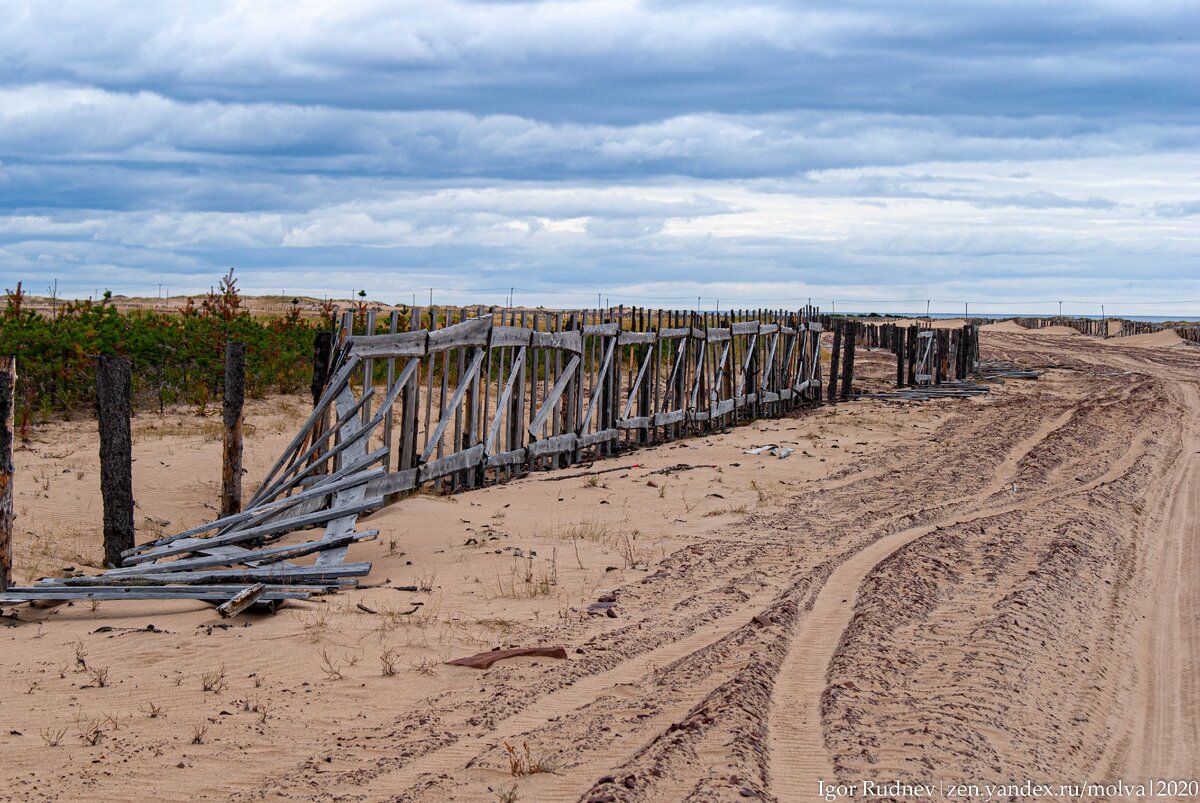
x=460, y=461
x=509, y=336
x=448, y=409
x=505, y=400
x=602, y=329
x=556, y=444
x=398, y=345
x=636, y=338
x=241, y=601
x=570, y=341
x=216, y=593
x=260, y=557
x=467, y=333
x=394, y=482
x=513, y=457
x=553, y=397
x=233, y=402
x=8, y=383
x=350, y=476
x=261, y=531
x=113, y=403
x=277, y=573
x=603, y=436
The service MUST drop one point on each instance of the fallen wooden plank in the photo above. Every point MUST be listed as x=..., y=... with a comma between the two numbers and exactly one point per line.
x=267, y=555
x=280, y=526
x=333, y=483
x=272, y=573
x=484, y=660
x=241, y=601
x=201, y=593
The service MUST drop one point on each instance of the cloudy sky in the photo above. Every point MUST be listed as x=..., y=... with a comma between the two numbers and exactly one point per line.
x=1004, y=154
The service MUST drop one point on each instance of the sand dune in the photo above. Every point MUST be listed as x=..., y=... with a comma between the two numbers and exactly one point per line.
x=994, y=589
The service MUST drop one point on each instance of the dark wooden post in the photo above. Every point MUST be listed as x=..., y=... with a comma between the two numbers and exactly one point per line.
x=235, y=399
x=834, y=360
x=8, y=382
x=898, y=347
x=912, y=354
x=113, y=407
x=848, y=359
x=322, y=346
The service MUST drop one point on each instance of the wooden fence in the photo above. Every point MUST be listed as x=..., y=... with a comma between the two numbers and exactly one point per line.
x=474, y=396
x=923, y=356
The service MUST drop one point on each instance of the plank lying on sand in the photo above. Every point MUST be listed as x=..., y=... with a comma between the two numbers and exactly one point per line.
x=280, y=526
x=243, y=600
x=323, y=575
x=259, y=556
x=219, y=593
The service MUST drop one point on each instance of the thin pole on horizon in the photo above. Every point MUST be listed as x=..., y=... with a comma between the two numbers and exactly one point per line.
x=430, y=296
x=697, y=303
x=832, y=307
x=1060, y=309
x=597, y=301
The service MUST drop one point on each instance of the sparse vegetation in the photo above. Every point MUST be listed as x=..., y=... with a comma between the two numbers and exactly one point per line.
x=176, y=357
x=523, y=762
x=213, y=680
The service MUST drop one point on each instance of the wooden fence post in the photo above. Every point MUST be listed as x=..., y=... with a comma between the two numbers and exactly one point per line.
x=8, y=382
x=834, y=359
x=322, y=348
x=113, y=407
x=848, y=359
x=235, y=398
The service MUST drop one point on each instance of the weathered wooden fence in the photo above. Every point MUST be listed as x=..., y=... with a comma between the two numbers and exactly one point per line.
x=924, y=356
x=474, y=396
x=1097, y=327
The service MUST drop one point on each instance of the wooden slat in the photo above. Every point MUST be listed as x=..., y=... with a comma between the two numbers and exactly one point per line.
x=400, y=344
x=552, y=398
x=263, y=530
x=459, y=461
x=241, y=601
x=200, y=593
x=601, y=329
x=467, y=333
x=279, y=573
x=394, y=482
x=263, y=556
x=553, y=445
x=505, y=336
x=571, y=341
x=513, y=457
x=593, y=438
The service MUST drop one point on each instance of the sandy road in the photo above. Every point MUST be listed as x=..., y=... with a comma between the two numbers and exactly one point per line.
x=1139, y=723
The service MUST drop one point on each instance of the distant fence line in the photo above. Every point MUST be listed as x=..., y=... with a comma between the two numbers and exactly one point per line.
x=1100, y=327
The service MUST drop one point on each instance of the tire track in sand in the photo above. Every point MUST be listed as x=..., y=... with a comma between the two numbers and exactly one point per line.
x=797, y=746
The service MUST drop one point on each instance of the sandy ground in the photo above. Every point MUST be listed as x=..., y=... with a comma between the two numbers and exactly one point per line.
x=984, y=590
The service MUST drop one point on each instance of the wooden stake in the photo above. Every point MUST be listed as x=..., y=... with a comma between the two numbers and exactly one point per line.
x=834, y=359
x=235, y=398
x=113, y=406
x=8, y=382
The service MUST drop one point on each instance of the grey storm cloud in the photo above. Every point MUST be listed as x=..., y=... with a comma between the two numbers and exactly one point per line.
x=654, y=149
